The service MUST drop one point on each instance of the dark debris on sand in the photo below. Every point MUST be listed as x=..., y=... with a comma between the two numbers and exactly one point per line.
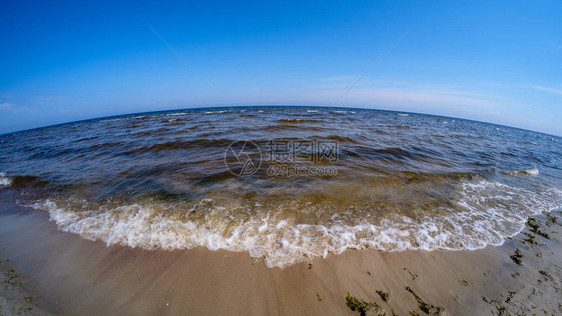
x=362, y=307
x=385, y=296
x=516, y=256
x=534, y=226
x=423, y=306
x=13, y=299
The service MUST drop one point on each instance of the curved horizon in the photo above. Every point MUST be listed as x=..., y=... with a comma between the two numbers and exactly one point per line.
x=97, y=118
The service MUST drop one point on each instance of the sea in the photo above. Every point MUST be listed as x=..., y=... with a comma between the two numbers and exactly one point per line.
x=285, y=184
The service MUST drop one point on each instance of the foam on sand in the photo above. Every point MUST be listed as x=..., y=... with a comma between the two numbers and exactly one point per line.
x=487, y=213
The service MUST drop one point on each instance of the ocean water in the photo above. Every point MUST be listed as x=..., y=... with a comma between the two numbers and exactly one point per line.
x=285, y=184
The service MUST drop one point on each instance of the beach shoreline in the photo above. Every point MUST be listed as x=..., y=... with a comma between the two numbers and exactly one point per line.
x=70, y=275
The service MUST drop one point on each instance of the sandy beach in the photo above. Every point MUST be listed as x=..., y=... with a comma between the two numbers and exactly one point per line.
x=62, y=273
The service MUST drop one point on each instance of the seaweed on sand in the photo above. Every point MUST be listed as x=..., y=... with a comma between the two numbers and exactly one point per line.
x=412, y=274
x=423, y=306
x=464, y=282
x=551, y=219
x=546, y=274
x=516, y=256
x=534, y=226
x=501, y=309
x=384, y=295
x=318, y=297
x=362, y=307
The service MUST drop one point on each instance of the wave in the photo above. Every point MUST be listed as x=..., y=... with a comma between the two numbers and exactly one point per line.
x=181, y=145
x=287, y=127
x=343, y=112
x=486, y=214
x=22, y=181
x=531, y=171
x=297, y=120
x=178, y=113
x=218, y=111
x=4, y=179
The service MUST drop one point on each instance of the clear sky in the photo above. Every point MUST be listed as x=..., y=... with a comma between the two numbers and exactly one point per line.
x=494, y=61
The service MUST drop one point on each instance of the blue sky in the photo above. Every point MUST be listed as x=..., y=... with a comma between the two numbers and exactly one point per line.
x=494, y=61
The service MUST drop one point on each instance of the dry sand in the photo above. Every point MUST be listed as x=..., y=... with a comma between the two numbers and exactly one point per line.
x=62, y=273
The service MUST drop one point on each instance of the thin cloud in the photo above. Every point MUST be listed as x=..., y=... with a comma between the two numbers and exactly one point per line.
x=547, y=89
x=407, y=98
x=7, y=106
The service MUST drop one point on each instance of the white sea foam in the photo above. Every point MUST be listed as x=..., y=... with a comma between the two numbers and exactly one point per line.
x=124, y=118
x=311, y=111
x=4, y=179
x=343, y=112
x=178, y=113
x=487, y=213
x=531, y=171
x=221, y=111
x=403, y=114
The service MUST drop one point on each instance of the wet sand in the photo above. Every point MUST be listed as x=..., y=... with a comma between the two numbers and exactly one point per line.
x=62, y=273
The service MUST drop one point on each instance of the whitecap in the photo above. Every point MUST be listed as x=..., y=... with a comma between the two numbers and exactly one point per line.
x=4, y=179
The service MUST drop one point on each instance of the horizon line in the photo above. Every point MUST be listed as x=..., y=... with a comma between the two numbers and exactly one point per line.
x=97, y=118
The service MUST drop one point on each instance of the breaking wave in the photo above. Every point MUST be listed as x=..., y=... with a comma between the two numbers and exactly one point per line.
x=486, y=214
x=4, y=179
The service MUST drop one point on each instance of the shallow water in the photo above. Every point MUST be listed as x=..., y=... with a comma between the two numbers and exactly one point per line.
x=366, y=180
